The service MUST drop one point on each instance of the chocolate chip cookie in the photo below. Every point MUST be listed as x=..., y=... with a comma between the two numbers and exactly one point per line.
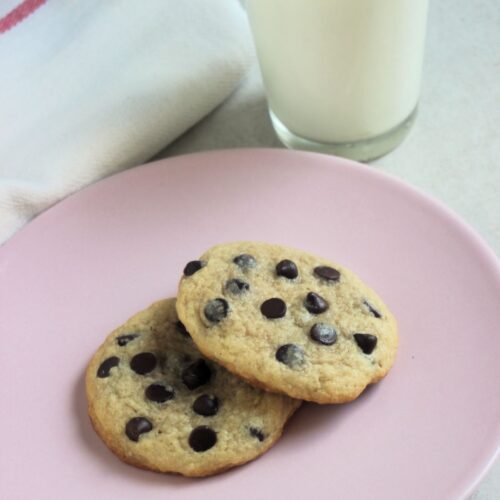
x=158, y=404
x=287, y=321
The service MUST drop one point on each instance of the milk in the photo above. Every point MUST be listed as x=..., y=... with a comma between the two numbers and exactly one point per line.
x=339, y=71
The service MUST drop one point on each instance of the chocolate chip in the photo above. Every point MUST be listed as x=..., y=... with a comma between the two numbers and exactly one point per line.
x=125, y=339
x=159, y=393
x=257, y=433
x=323, y=333
x=106, y=365
x=287, y=269
x=372, y=309
x=291, y=355
x=179, y=326
x=216, y=310
x=196, y=374
x=206, y=405
x=327, y=273
x=137, y=426
x=366, y=342
x=236, y=286
x=193, y=267
x=245, y=261
x=143, y=363
x=273, y=308
x=202, y=438
x=315, y=303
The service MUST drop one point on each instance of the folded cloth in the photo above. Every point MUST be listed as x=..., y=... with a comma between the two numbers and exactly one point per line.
x=90, y=88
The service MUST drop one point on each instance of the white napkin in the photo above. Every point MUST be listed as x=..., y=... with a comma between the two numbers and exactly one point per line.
x=88, y=88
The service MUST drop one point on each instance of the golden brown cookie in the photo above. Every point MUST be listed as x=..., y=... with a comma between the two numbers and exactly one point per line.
x=158, y=404
x=287, y=321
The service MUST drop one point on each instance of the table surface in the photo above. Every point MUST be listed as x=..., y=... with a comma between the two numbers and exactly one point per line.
x=453, y=151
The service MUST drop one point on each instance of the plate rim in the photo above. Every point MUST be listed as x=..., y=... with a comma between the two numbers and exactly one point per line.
x=366, y=169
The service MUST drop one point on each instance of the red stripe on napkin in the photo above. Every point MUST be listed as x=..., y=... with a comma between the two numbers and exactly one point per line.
x=18, y=14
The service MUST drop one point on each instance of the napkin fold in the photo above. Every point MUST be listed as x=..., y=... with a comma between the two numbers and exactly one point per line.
x=90, y=88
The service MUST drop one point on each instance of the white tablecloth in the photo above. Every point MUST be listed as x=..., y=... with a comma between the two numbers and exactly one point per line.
x=90, y=88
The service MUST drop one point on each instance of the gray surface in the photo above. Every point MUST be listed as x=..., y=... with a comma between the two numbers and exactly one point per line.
x=453, y=151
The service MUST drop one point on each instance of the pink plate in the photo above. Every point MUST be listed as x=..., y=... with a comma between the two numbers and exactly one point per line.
x=428, y=431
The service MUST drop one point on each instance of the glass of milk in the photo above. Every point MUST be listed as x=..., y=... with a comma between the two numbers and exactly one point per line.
x=341, y=76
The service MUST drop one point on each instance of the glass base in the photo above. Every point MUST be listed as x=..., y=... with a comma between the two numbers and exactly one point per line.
x=364, y=150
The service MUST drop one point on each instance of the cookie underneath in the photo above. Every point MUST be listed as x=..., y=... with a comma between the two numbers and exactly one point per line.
x=158, y=404
x=287, y=321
